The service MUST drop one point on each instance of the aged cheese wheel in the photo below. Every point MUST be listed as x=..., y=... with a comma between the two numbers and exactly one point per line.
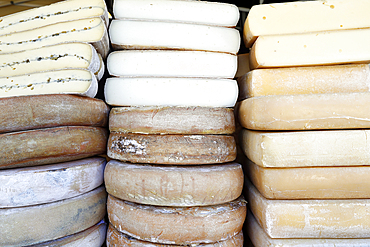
x=174, y=185
x=118, y=239
x=35, y=224
x=171, y=149
x=172, y=120
x=44, y=184
x=177, y=225
x=51, y=145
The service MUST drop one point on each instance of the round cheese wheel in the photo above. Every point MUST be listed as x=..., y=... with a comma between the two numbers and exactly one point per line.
x=125, y=91
x=35, y=224
x=41, y=111
x=177, y=225
x=43, y=184
x=172, y=120
x=174, y=185
x=51, y=145
x=171, y=149
x=118, y=239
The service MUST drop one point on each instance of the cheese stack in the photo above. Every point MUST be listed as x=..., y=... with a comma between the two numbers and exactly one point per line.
x=172, y=179
x=304, y=112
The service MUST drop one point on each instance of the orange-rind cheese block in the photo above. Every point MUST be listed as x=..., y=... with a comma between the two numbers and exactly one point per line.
x=119, y=239
x=179, y=186
x=43, y=184
x=177, y=225
x=172, y=120
x=171, y=149
x=51, y=145
x=36, y=224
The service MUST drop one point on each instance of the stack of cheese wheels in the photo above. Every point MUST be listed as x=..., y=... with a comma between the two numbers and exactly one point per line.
x=305, y=112
x=172, y=180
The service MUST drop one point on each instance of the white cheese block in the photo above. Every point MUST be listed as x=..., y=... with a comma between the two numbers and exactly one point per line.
x=307, y=148
x=35, y=224
x=43, y=184
x=341, y=218
x=307, y=49
x=177, y=225
x=297, y=17
x=141, y=34
x=169, y=63
x=199, y=12
x=171, y=92
x=179, y=186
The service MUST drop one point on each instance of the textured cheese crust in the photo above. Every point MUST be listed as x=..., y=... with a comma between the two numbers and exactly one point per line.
x=171, y=149
x=140, y=34
x=170, y=63
x=177, y=225
x=51, y=145
x=199, y=12
x=171, y=92
x=172, y=120
x=35, y=224
x=174, y=185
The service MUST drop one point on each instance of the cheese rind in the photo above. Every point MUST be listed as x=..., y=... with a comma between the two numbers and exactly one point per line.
x=171, y=149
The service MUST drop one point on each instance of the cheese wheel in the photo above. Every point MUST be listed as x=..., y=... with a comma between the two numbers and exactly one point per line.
x=50, y=145
x=119, y=239
x=174, y=185
x=170, y=63
x=172, y=120
x=149, y=35
x=177, y=225
x=127, y=91
x=171, y=149
x=35, y=224
x=44, y=184
x=199, y=12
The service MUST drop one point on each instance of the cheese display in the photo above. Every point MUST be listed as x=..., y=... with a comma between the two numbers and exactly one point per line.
x=171, y=149
x=35, y=224
x=174, y=185
x=172, y=120
x=51, y=145
x=177, y=225
x=199, y=12
x=142, y=34
x=296, y=17
x=125, y=91
x=170, y=63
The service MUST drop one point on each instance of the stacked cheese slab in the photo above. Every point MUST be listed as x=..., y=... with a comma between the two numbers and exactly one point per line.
x=304, y=112
x=172, y=179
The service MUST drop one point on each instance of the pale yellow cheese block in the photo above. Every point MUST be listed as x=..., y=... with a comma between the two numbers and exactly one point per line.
x=179, y=186
x=171, y=149
x=35, y=224
x=177, y=225
x=305, y=80
x=172, y=120
x=297, y=17
x=341, y=218
x=307, y=148
x=306, y=112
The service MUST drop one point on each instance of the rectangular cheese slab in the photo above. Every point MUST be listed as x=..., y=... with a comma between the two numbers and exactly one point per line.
x=341, y=218
x=315, y=48
x=298, y=17
x=307, y=148
x=306, y=111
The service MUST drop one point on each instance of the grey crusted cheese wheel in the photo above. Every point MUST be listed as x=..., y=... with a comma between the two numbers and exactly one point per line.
x=41, y=111
x=35, y=224
x=172, y=120
x=174, y=185
x=177, y=225
x=171, y=149
x=51, y=145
